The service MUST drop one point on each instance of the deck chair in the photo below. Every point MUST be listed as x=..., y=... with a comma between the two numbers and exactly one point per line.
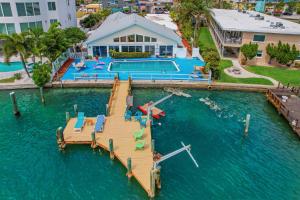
x=80, y=122
x=99, y=123
x=140, y=144
x=127, y=115
x=139, y=134
x=138, y=116
x=143, y=122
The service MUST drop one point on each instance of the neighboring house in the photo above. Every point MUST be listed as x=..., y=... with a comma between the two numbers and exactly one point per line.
x=132, y=33
x=154, y=6
x=231, y=29
x=20, y=15
x=118, y=3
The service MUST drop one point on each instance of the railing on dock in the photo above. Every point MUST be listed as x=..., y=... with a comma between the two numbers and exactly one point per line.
x=112, y=94
x=94, y=76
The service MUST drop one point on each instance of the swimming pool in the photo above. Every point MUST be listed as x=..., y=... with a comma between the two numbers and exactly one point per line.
x=143, y=66
x=10, y=67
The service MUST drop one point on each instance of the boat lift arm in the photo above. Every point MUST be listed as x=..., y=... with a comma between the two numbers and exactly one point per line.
x=186, y=148
x=156, y=103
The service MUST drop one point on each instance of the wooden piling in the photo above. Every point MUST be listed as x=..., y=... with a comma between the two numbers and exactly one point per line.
x=60, y=138
x=93, y=135
x=111, y=149
x=14, y=103
x=247, y=123
x=67, y=117
x=152, y=145
x=76, y=110
x=129, y=168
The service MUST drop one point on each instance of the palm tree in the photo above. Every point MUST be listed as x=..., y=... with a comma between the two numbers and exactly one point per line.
x=37, y=43
x=198, y=9
x=16, y=44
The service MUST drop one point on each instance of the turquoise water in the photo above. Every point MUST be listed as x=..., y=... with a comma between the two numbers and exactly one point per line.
x=10, y=67
x=143, y=66
x=265, y=165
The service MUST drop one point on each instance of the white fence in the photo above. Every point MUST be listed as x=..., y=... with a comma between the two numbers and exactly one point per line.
x=94, y=76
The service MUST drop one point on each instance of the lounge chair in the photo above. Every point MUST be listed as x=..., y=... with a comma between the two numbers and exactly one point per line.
x=140, y=144
x=80, y=122
x=127, y=115
x=139, y=134
x=143, y=122
x=138, y=116
x=99, y=123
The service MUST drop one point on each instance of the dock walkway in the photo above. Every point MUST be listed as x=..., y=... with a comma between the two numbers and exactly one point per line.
x=121, y=132
x=287, y=102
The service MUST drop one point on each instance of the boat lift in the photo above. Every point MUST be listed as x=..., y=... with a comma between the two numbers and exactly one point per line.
x=184, y=147
x=156, y=103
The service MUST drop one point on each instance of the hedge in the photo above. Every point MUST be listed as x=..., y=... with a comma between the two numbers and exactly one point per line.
x=115, y=54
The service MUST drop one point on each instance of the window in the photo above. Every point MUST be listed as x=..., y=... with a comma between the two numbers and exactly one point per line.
x=115, y=48
x=31, y=25
x=124, y=48
x=8, y=28
x=259, y=38
x=117, y=39
x=139, y=38
x=150, y=49
x=53, y=21
x=28, y=9
x=165, y=50
x=147, y=39
x=259, y=54
x=51, y=6
x=153, y=39
x=5, y=10
x=138, y=49
x=131, y=38
x=123, y=39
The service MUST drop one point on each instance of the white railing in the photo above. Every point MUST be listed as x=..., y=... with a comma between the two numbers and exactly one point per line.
x=174, y=77
x=78, y=55
x=94, y=76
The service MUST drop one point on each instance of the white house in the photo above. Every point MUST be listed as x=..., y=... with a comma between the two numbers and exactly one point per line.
x=132, y=33
x=19, y=15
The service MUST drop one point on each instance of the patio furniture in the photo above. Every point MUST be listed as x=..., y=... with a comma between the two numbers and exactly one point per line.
x=143, y=122
x=127, y=115
x=138, y=116
x=99, y=123
x=140, y=144
x=139, y=134
x=80, y=122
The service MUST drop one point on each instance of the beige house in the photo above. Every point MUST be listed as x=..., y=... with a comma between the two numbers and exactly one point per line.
x=231, y=29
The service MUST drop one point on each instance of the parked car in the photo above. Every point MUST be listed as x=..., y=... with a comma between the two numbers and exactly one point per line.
x=288, y=13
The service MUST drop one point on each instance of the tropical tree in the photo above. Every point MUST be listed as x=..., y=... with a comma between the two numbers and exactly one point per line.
x=198, y=9
x=36, y=40
x=56, y=42
x=16, y=44
x=271, y=51
x=41, y=76
x=212, y=59
x=74, y=35
x=249, y=51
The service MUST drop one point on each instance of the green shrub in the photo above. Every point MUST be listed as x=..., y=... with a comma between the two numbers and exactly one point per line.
x=17, y=76
x=115, y=54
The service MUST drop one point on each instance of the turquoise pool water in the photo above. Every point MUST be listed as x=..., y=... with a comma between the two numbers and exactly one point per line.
x=265, y=165
x=143, y=66
x=10, y=67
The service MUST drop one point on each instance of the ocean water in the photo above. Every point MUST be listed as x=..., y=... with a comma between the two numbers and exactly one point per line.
x=263, y=165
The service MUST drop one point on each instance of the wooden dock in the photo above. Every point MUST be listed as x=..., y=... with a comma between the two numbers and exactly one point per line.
x=121, y=132
x=287, y=101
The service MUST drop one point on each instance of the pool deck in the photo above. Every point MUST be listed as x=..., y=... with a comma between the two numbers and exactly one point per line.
x=121, y=132
x=289, y=108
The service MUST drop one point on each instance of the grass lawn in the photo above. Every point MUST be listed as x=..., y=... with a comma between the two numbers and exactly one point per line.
x=8, y=80
x=228, y=79
x=283, y=75
x=205, y=39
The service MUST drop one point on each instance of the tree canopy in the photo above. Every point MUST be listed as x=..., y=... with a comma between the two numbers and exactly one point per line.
x=249, y=50
x=41, y=74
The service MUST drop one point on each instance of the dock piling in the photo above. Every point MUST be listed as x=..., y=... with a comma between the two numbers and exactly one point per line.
x=76, y=109
x=129, y=168
x=247, y=124
x=67, y=117
x=106, y=110
x=14, y=103
x=152, y=145
x=60, y=138
x=93, y=145
x=111, y=149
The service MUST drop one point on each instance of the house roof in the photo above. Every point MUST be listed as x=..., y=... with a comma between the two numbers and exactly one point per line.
x=119, y=21
x=232, y=20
